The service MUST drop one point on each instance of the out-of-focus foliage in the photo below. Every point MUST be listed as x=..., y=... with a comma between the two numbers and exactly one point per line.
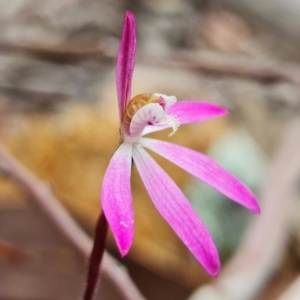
x=237, y=152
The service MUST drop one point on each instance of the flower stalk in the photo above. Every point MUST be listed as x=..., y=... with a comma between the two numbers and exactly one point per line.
x=96, y=257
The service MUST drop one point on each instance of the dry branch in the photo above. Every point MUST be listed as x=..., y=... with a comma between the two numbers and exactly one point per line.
x=47, y=202
x=261, y=250
x=207, y=62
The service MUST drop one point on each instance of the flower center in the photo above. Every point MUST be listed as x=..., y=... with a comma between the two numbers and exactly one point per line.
x=146, y=109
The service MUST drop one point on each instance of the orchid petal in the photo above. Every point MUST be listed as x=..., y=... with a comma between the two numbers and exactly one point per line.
x=125, y=62
x=204, y=168
x=190, y=112
x=177, y=211
x=116, y=198
x=195, y=111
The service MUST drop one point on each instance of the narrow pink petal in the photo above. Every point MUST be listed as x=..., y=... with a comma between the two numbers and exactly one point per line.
x=190, y=112
x=204, y=168
x=195, y=111
x=125, y=62
x=116, y=198
x=177, y=211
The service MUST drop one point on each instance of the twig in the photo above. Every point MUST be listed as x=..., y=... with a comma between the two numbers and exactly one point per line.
x=222, y=65
x=64, y=53
x=206, y=61
x=66, y=224
x=261, y=251
x=293, y=292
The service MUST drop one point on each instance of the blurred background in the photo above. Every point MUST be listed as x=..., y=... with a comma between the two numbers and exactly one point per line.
x=58, y=118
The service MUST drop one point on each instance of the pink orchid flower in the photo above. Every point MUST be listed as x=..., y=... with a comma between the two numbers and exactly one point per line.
x=147, y=113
